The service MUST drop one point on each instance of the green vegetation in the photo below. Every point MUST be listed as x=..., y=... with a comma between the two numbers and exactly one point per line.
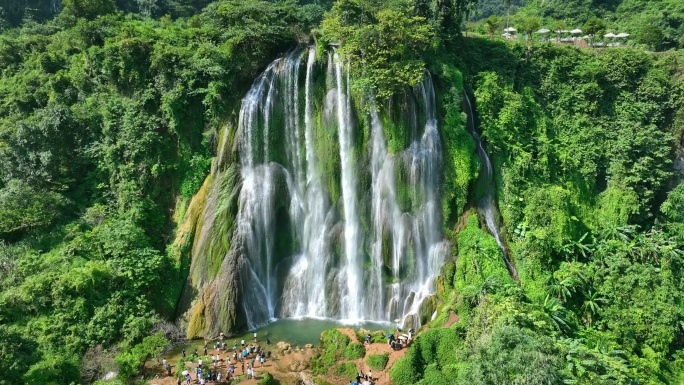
x=345, y=369
x=654, y=24
x=377, y=361
x=268, y=379
x=594, y=225
x=104, y=122
x=354, y=351
x=335, y=346
x=131, y=361
x=109, y=120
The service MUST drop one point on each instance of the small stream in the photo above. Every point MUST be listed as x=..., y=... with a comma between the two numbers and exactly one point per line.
x=486, y=205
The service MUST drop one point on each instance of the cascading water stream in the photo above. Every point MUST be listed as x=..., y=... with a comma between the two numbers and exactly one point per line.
x=486, y=205
x=327, y=267
x=351, y=301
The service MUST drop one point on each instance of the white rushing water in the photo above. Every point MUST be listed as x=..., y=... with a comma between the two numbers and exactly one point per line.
x=487, y=206
x=343, y=260
x=351, y=300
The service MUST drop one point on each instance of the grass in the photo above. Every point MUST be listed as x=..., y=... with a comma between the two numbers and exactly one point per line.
x=346, y=369
x=378, y=361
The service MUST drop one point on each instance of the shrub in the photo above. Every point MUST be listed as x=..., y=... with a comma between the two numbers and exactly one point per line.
x=329, y=357
x=433, y=376
x=346, y=369
x=377, y=361
x=379, y=337
x=268, y=380
x=408, y=370
x=317, y=365
x=335, y=339
x=334, y=345
x=354, y=351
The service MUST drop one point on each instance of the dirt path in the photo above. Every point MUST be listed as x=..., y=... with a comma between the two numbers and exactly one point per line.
x=453, y=318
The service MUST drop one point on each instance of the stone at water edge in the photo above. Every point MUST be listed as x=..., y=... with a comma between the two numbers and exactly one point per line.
x=282, y=345
x=409, y=322
x=309, y=346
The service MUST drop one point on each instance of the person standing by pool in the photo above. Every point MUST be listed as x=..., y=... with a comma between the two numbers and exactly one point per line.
x=255, y=336
x=243, y=343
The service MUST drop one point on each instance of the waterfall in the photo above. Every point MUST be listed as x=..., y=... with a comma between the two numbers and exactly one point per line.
x=486, y=205
x=307, y=253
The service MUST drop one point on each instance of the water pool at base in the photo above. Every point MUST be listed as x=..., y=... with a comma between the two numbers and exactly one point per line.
x=306, y=330
x=297, y=332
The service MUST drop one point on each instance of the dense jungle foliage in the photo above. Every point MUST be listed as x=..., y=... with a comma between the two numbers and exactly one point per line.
x=109, y=121
x=104, y=123
x=583, y=143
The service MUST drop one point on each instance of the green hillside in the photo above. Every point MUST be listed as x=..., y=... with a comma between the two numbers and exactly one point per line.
x=656, y=24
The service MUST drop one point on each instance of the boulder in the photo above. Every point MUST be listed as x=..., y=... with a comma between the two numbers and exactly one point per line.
x=298, y=366
x=282, y=345
x=309, y=346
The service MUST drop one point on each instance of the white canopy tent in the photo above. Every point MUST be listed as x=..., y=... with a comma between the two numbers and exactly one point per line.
x=576, y=31
x=543, y=30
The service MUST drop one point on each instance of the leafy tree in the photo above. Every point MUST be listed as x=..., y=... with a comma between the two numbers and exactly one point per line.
x=17, y=354
x=492, y=25
x=512, y=356
x=134, y=359
x=650, y=35
x=594, y=26
x=387, y=50
x=89, y=9
x=22, y=207
x=529, y=24
x=673, y=208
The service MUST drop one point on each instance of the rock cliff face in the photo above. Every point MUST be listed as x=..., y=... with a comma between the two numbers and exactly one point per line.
x=209, y=303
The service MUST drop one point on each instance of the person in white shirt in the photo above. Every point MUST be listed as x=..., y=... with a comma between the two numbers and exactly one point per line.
x=164, y=363
x=199, y=362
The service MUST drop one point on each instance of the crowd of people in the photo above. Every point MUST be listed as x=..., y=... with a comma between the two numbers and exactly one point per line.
x=247, y=356
x=400, y=341
x=226, y=364
x=363, y=378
